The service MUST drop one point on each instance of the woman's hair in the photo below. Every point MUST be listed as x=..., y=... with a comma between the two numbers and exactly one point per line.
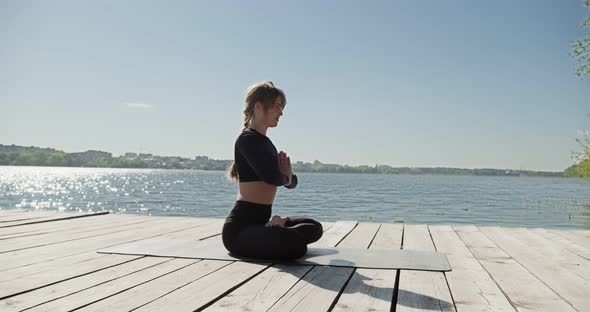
x=265, y=93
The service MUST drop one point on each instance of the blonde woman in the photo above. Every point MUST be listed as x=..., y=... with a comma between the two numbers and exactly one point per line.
x=259, y=170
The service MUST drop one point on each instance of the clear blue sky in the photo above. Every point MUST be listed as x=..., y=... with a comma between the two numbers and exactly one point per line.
x=471, y=84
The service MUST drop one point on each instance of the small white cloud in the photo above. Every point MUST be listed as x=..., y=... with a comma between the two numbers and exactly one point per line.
x=138, y=105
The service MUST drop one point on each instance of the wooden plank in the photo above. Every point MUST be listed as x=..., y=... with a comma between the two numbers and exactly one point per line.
x=422, y=290
x=45, y=253
x=80, y=224
x=576, y=236
x=114, y=286
x=524, y=291
x=27, y=216
x=13, y=287
x=7, y=211
x=66, y=216
x=335, y=234
x=552, y=251
x=370, y=289
x=320, y=287
x=208, y=288
x=199, y=232
x=143, y=294
x=67, y=287
x=316, y=291
x=102, y=227
x=54, y=265
x=472, y=287
x=46, y=273
x=570, y=286
x=39, y=216
x=573, y=247
x=20, y=234
x=361, y=236
x=155, y=289
x=261, y=292
x=24, y=257
x=389, y=236
x=152, y=290
x=327, y=225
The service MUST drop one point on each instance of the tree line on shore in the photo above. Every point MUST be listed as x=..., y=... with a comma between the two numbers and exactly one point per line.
x=13, y=155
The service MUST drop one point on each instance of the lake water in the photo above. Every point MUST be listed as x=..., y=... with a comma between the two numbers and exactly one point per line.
x=432, y=199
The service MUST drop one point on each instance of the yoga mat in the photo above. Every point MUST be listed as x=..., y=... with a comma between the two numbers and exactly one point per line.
x=344, y=257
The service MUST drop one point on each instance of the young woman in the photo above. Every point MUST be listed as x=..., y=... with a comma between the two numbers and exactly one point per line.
x=259, y=169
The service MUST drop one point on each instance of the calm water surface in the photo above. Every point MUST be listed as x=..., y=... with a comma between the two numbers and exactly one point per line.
x=433, y=199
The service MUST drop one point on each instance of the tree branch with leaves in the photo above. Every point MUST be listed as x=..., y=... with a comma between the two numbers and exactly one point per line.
x=580, y=49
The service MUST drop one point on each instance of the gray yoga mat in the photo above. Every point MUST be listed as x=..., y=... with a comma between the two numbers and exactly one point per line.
x=344, y=257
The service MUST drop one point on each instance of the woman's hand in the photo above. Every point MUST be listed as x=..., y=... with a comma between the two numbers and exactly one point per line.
x=277, y=220
x=285, y=166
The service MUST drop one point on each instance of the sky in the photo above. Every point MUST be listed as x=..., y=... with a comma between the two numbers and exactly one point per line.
x=467, y=84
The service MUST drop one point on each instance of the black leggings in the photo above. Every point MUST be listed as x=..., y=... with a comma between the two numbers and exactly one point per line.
x=246, y=233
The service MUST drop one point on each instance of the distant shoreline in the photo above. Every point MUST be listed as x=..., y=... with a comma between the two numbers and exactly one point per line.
x=555, y=174
x=14, y=155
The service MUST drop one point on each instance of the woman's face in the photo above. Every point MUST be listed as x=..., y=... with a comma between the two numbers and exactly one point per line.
x=272, y=115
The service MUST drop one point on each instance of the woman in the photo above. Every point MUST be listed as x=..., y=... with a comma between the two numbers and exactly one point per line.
x=259, y=169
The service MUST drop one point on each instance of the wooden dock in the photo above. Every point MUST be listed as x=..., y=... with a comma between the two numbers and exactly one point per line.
x=48, y=262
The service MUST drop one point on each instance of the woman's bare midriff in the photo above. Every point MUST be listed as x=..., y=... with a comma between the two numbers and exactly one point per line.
x=257, y=192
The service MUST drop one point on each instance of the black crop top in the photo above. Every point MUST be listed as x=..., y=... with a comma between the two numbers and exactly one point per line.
x=256, y=159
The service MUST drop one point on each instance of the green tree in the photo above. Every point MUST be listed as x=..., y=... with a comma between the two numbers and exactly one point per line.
x=581, y=48
x=581, y=51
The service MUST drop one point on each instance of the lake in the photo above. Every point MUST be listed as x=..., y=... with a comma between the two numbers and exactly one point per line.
x=433, y=199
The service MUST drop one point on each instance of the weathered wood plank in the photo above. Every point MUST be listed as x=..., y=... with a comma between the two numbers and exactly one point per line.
x=472, y=287
x=52, y=281
x=389, y=236
x=422, y=290
x=335, y=234
x=361, y=236
x=6, y=211
x=370, y=289
x=65, y=288
x=316, y=291
x=553, y=251
x=581, y=237
x=157, y=288
x=15, y=286
x=524, y=290
x=79, y=264
x=27, y=216
x=20, y=234
x=327, y=225
x=45, y=253
x=118, y=282
x=100, y=227
x=573, y=247
x=319, y=288
x=79, y=224
x=572, y=287
x=84, y=284
x=65, y=216
x=208, y=288
x=145, y=293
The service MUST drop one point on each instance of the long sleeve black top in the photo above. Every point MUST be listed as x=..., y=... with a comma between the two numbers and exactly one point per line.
x=256, y=159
